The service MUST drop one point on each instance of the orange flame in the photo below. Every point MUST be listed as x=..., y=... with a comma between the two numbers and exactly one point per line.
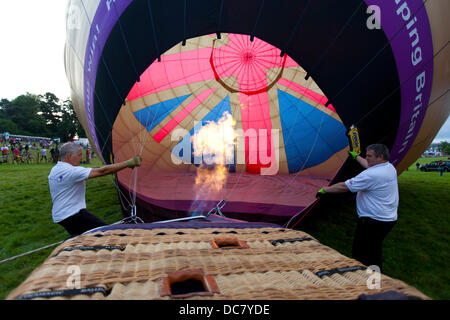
x=215, y=143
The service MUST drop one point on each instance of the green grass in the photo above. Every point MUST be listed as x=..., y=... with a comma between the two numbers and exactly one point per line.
x=416, y=251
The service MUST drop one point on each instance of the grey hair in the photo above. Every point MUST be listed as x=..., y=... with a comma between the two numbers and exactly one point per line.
x=379, y=150
x=69, y=148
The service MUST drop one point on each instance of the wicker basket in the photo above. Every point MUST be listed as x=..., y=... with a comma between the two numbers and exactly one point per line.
x=207, y=263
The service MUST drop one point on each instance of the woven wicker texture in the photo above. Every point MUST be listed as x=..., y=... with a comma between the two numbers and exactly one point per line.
x=265, y=263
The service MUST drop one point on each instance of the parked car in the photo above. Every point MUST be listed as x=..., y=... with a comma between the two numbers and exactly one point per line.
x=434, y=165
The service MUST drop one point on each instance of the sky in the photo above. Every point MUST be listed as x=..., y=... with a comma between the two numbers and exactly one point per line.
x=32, y=38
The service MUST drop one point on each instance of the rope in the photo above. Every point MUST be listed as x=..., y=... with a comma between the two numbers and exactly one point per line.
x=216, y=210
x=252, y=35
x=155, y=39
x=219, y=20
x=401, y=85
x=184, y=23
x=30, y=252
x=122, y=33
x=324, y=53
x=310, y=208
x=294, y=30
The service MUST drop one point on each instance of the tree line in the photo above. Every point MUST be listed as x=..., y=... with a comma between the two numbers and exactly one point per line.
x=47, y=116
x=444, y=146
x=40, y=115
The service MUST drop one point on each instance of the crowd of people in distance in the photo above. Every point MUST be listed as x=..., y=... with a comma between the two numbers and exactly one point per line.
x=19, y=151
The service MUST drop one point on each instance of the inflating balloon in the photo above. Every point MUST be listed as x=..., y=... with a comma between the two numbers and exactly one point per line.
x=274, y=86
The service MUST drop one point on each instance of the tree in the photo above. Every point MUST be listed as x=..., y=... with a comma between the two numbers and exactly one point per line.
x=444, y=147
x=6, y=125
x=50, y=109
x=40, y=115
x=3, y=105
x=69, y=126
x=23, y=112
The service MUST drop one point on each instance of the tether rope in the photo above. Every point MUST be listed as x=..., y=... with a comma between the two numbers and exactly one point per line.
x=32, y=251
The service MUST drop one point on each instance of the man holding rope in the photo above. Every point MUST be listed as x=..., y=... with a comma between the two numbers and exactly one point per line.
x=376, y=202
x=68, y=188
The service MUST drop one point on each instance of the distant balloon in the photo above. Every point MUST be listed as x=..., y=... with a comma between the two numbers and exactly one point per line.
x=284, y=81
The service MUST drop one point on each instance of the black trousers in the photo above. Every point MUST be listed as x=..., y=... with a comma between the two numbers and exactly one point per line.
x=81, y=222
x=368, y=241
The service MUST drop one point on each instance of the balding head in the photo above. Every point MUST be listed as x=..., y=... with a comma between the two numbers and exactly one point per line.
x=69, y=148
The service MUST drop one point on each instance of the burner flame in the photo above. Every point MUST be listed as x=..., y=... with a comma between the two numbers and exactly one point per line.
x=214, y=142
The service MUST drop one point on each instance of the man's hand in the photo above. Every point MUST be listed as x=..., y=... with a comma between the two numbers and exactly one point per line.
x=353, y=154
x=115, y=167
x=134, y=162
x=320, y=193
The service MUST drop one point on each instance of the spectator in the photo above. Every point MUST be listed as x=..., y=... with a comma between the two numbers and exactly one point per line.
x=17, y=154
x=5, y=151
x=43, y=154
x=52, y=153
x=441, y=166
x=56, y=153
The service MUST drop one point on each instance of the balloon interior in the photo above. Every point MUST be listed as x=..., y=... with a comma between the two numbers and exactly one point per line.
x=229, y=120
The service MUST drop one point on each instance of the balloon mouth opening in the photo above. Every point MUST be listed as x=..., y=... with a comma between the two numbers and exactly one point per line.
x=289, y=139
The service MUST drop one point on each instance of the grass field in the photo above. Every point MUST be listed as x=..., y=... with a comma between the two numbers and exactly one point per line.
x=416, y=251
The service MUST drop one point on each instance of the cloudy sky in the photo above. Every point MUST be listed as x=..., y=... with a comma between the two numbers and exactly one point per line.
x=32, y=37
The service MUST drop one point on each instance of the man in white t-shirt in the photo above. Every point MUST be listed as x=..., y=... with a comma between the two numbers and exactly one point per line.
x=376, y=202
x=67, y=182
